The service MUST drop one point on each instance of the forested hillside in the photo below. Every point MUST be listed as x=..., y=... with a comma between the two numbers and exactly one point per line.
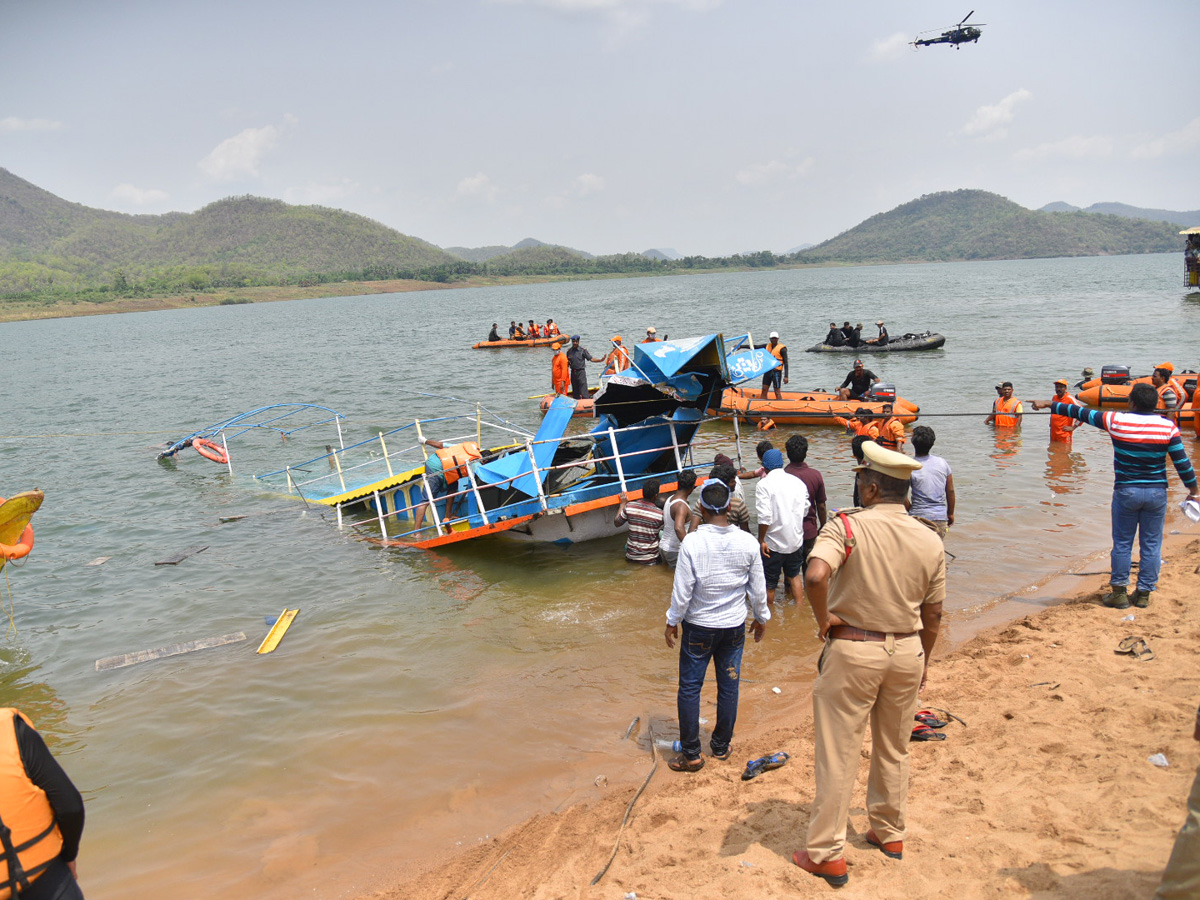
x=50, y=246
x=962, y=225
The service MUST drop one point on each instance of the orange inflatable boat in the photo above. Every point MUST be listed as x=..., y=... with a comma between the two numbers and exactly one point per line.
x=804, y=407
x=583, y=408
x=528, y=342
x=1111, y=394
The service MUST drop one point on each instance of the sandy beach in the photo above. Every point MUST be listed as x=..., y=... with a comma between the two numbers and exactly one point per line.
x=1046, y=791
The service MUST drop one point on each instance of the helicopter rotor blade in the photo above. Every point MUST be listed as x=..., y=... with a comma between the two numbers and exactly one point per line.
x=967, y=16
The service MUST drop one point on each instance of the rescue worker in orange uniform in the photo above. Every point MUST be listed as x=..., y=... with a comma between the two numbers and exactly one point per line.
x=560, y=371
x=891, y=431
x=446, y=474
x=651, y=335
x=1061, y=427
x=42, y=815
x=1171, y=393
x=771, y=379
x=862, y=423
x=1007, y=409
x=551, y=329
x=534, y=331
x=618, y=360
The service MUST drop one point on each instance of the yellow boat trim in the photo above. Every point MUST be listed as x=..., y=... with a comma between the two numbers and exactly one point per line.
x=278, y=630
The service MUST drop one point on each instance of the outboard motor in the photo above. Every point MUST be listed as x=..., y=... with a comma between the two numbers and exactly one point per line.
x=882, y=392
x=1114, y=374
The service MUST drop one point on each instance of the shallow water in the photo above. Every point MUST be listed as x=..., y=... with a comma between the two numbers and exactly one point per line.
x=423, y=699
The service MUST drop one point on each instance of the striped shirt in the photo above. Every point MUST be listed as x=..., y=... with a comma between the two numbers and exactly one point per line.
x=719, y=570
x=1141, y=441
x=645, y=522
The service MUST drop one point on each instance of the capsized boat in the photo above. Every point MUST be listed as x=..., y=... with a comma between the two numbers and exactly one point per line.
x=527, y=342
x=810, y=407
x=546, y=486
x=927, y=340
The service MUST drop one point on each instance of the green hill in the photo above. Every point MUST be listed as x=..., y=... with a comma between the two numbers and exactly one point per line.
x=967, y=224
x=48, y=245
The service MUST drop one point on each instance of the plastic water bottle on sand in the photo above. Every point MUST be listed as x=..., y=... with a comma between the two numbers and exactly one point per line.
x=664, y=744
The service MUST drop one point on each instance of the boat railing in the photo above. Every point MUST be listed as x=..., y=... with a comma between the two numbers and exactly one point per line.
x=347, y=472
x=684, y=460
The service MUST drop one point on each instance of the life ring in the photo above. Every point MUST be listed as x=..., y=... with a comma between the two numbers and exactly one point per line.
x=209, y=450
x=20, y=549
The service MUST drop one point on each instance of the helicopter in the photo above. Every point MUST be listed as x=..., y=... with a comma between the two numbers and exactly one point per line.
x=959, y=34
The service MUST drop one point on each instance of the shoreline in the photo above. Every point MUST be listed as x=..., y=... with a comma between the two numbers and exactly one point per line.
x=16, y=310
x=1057, y=739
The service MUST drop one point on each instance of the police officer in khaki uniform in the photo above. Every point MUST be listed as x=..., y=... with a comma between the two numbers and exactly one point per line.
x=876, y=581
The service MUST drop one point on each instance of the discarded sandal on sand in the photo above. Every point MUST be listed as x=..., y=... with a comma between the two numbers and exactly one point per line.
x=925, y=717
x=1136, y=647
x=925, y=733
x=682, y=764
x=756, y=767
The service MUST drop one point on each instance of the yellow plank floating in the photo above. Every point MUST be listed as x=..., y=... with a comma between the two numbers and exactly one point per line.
x=278, y=630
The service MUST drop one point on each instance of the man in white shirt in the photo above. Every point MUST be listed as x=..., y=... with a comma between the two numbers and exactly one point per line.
x=781, y=500
x=718, y=572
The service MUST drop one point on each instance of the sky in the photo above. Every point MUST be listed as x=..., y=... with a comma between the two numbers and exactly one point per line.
x=707, y=126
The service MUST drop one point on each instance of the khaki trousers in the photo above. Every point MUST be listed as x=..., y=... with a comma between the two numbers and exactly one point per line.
x=1181, y=880
x=862, y=680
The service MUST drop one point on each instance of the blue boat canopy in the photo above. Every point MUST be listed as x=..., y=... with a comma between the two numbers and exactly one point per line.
x=518, y=466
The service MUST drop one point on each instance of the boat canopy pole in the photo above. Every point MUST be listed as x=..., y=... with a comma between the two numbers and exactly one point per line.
x=475, y=490
x=617, y=459
x=536, y=476
x=379, y=514
x=675, y=446
x=479, y=428
x=437, y=520
x=387, y=459
x=737, y=441
x=228, y=461
x=338, y=423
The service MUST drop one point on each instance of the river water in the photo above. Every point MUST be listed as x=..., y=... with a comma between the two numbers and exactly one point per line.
x=424, y=700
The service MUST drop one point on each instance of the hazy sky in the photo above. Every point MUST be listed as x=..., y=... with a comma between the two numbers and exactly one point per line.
x=709, y=126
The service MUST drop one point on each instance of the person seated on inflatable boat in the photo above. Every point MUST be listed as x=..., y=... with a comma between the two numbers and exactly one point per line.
x=494, y=335
x=836, y=337
x=551, y=330
x=534, y=331
x=882, y=339
x=446, y=472
x=857, y=383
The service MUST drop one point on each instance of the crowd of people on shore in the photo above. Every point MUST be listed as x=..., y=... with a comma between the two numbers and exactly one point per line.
x=874, y=578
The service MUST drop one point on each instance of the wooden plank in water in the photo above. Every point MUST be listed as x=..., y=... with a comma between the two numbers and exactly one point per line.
x=98, y=561
x=223, y=519
x=278, y=630
x=181, y=556
x=129, y=659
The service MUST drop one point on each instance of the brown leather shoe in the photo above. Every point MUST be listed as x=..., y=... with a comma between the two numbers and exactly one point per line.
x=833, y=871
x=892, y=849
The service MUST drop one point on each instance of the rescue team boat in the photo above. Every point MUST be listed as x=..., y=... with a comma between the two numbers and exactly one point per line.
x=541, y=487
x=928, y=340
x=810, y=407
x=527, y=342
x=1111, y=390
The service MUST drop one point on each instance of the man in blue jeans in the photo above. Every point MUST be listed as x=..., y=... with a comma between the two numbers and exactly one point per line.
x=717, y=573
x=1141, y=440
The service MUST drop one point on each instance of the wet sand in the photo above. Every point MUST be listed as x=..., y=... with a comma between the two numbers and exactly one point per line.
x=1045, y=792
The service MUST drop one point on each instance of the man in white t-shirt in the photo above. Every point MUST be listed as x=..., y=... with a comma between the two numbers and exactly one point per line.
x=781, y=500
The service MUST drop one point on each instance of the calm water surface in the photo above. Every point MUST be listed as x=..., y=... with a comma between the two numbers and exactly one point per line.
x=424, y=700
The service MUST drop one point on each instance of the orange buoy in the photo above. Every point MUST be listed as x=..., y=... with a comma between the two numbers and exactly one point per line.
x=20, y=549
x=209, y=450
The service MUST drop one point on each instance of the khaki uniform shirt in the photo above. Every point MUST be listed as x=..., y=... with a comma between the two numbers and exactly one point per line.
x=897, y=565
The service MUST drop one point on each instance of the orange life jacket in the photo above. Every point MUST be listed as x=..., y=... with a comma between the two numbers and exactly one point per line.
x=534, y=331
x=865, y=429
x=550, y=330
x=34, y=837
x=519, y=334
x=777, y=350
x=618, y=361
x=1004, y=410
x=891, y=434
x=1060, y=426
x=1180, y=393
x=455, y=458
